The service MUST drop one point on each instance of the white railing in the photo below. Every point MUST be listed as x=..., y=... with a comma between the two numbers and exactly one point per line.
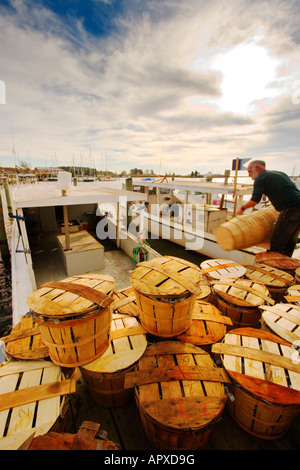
x=22, y=276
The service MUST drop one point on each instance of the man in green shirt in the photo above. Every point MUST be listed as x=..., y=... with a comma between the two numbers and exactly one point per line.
x=285, y=197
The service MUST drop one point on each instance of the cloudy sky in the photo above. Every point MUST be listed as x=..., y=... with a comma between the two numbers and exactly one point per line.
x=168, y=85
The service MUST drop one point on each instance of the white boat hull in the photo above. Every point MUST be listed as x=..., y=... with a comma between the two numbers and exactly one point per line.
x=199, y=241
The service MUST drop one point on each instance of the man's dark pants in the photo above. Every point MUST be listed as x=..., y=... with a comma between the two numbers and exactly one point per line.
x=286, y=231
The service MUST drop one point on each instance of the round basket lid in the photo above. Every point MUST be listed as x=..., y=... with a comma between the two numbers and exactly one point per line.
x=178, y=385
x=125, y=302
x=31, y=399
x=72, y=296
x=222, y=268
x=262, y=363
x=208, y=325
x=166, y=276
x=284, y=320
x=25, y=341
x=243, y=292
x=293, y=294
x=269, y=276
x=205, y=289
x=128, y=343
x=277, y=260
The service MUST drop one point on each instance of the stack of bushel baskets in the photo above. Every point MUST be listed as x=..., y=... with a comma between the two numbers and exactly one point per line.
x=260, y=352
x=179, y=390
x=185, y=342
x=227, y=346
x=69, y=323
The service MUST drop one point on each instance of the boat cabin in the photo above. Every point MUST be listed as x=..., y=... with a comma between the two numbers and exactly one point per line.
x=189, y=203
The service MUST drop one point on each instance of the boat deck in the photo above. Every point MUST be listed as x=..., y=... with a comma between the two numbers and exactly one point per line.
x=122, y=424
x=124, y=428
x=48, y=264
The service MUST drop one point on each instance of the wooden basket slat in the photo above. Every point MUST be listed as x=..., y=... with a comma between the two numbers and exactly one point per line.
x=253, y=355
x=175, y=373
x=293, y=294
x=292, y=298
x=125, y=302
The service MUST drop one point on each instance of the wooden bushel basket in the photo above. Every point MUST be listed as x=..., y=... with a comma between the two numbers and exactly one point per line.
x=247, y=230
x=240, y=300
x=265, y=381
x=31, y=400
x=283, y=320
x=279, y=261
x=297, y=276
x=276, y=280
x=166, y=289
x=25, y=341
x=74, y=317
x=105, y=376
x=165, y=318
x=179, y=394
x=208, y=326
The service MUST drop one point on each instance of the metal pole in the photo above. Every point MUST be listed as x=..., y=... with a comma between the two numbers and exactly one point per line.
x=129, y=187
x=66, y=223
x=118, y=225
x=235, y=183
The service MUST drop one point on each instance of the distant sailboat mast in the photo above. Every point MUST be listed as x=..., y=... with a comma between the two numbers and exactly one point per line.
x=13, y=146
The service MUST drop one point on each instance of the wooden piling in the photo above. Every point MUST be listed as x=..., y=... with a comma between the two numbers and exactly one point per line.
x=7, y=194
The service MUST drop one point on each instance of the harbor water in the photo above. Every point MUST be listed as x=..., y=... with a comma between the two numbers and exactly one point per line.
x=5, y=297
x=5, y=276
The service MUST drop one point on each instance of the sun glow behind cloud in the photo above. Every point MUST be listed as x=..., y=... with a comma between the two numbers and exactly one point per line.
x=248, y=72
